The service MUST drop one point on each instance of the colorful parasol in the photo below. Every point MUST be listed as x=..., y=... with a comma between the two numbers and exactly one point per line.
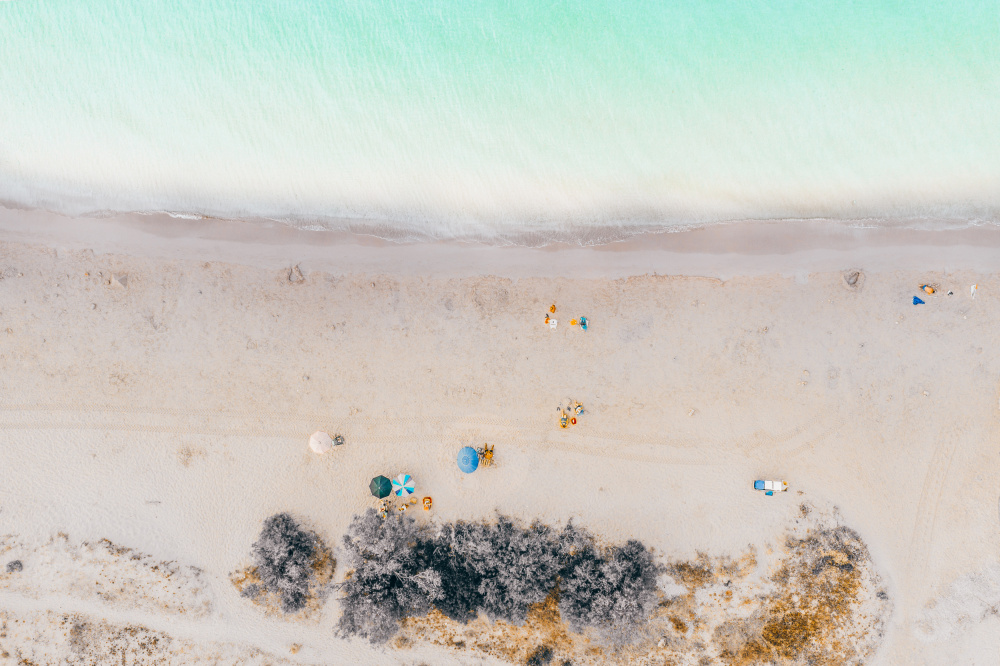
x=402, y=485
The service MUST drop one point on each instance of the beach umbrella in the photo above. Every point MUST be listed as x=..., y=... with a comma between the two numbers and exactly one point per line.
x=320, y=442
x=468, y=460
x=380, y=487
x=402, y=485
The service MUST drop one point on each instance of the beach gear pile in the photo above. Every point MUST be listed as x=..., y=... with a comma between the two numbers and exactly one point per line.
x=931, y=289
x=552, y=322
x=469, y=458
x=320, y=442
x=568, y=414
x=402, y=486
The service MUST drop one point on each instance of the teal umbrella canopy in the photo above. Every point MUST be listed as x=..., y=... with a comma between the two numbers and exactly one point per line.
x=380, y=487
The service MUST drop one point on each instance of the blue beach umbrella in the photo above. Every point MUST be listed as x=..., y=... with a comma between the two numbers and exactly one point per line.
x=402, y=485
x=468, y=460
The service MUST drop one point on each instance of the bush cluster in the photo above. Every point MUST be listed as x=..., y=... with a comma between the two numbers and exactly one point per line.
x=390, y=578
x=611, y=589
x=283, y=556
x=500, y=569
x=403, y=570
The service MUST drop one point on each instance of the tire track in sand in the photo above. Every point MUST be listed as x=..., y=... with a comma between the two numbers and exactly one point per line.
x=935, y=480
x=467, y=429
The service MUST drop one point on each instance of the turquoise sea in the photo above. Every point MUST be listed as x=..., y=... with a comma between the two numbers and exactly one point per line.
x=500, y=120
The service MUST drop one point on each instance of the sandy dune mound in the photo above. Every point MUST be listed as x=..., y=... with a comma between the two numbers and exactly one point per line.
x=103, y=571
x=967, y=602
x=75, y=640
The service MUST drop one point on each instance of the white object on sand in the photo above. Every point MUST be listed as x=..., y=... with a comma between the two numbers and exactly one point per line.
x=320, y=442
x=552, y=323
x=770, y=487
x=973, y=289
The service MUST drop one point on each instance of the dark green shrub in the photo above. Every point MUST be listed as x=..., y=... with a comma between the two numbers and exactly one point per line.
x=612, y=589
x=401, y=570
x=391, y=578
x=283, y=556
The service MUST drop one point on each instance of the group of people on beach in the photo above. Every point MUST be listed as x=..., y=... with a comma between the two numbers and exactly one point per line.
x=552, y=322
x=568, y=417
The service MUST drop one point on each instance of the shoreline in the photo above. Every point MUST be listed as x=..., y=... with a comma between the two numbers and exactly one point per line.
x=722, y=251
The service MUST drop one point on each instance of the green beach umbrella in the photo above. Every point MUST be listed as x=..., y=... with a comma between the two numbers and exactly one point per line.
x=380, y=487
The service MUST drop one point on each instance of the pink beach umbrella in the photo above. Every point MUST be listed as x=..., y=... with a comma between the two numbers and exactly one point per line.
x=320, y=442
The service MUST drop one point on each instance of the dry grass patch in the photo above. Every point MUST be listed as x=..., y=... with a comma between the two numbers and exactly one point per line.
x=543, y=632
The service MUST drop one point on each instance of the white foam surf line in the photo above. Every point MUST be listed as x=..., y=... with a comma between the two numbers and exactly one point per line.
x=720, y=251
x=586, y=227
x=582, y=233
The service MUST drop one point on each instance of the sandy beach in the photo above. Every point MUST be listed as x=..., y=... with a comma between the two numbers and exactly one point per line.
x=160, y=382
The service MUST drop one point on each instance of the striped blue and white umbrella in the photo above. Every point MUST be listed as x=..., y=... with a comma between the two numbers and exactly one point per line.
x=402, y=485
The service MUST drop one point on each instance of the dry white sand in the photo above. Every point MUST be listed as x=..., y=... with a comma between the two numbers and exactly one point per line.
x=171, y=415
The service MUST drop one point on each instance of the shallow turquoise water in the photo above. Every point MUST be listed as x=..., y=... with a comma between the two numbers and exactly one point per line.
x=494, y=120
